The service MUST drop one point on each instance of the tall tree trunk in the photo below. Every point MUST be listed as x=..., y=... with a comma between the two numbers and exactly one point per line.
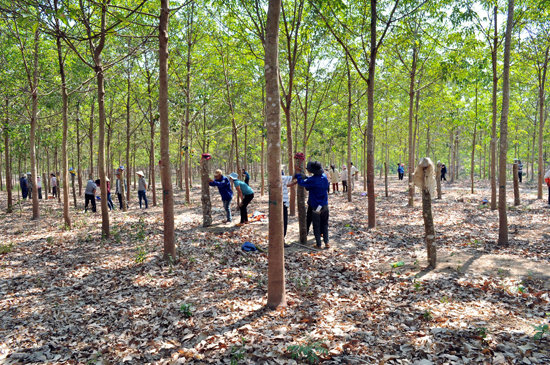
x=472, y=159
x=101, y=148
x=188, y=100
x=542, y=84
x=65, y=164
x=503, y=218
x=411, y=133
x=515, y=179
x=91, y=135
x=34, y=121
x=9, y=208
x=128, y=130
x=494, y=114
x=292, y=189
x=78, y=149
x=276, y=268
x=165, y=172
x=349, y=106
x=152, y=121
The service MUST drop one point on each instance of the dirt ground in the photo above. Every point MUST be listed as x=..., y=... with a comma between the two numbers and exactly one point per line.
x=72, y=297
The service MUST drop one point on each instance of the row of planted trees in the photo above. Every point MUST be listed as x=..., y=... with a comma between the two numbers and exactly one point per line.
x=368, y=82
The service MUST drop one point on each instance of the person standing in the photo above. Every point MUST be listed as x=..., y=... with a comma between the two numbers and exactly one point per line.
x=547, y=180
x=224, y=188
x=24, y=184
x=89, y=193
x=520, y=171
x=109, y=200
x=443, y=172
x=344, y=178
x=245, y=193
x=334, y=177
x=53, y=183
x=246, y=177
x=119, y=186
x=317, y=200
x=39, y=187
x=400, y=171
x=142, y=189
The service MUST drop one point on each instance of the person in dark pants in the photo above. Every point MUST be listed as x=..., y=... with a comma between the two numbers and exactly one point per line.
x=109, y=200
x=245, y=193
x=400, y=171
x=317, y=201
x=53, y=183
x=142, y=189
x=89, y=194
x=224, y=188
x=119, y=186
x=39, y=186
x=443, y=172
x=344, y=178
x=520, y=170
x=246, y=176
x=547, y=180
x=24, y=186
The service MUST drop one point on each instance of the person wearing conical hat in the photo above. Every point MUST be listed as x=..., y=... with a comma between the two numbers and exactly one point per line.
x=142, y=189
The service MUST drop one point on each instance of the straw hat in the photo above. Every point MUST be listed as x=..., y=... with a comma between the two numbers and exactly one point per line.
x=140, y=173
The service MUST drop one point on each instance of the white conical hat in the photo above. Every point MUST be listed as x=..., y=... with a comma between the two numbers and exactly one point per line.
x=140, y=173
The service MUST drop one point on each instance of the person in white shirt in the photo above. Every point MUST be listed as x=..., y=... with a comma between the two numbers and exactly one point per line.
x=53, y=183
x=334, y=178
x=344, y=178
x=39, y=187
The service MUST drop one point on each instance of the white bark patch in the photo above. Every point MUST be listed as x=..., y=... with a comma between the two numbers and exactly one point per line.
x=269, y=98
x=430, y=237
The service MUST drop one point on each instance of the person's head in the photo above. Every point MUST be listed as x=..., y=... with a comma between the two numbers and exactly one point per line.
x=314, y=167
x=140, y=174
x=38, y=178
x=97, y=182
x=233, y=176
x=332, y=167
x=90, y=176
x=351, y=163
x=218, y=174
x=52, y=174
x=244, y=170
x=344, y=167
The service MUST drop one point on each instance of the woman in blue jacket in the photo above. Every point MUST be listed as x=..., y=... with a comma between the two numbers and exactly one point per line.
x=317, y=185
x=224, y=187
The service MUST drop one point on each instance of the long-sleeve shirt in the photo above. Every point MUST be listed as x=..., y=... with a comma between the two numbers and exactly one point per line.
x=344, y=175
x=317, y=185
x=224, y=187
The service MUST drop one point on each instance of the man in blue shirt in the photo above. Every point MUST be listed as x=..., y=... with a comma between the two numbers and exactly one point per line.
x=246, y=177
x=224, y=187
x=317, y=202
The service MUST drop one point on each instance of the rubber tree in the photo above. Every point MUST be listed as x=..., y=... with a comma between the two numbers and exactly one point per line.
x=276, y=268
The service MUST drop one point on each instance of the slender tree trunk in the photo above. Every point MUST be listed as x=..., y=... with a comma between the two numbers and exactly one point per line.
x=472, y=159
x=349, y=106
x=188, y=100
x=9, y=208
x=290, y=154
x=371, y=199
x=165, y=172
x=515, y=179
x=438, y=179
x=65, y=164
x=503, y=218
x=386, y=179
x=205, y=194
x=494, y=114
x=411, y=120
x=128, y=130
x=428, y=221
x=276, y=268
x=34, y=122
x=78, y=149
x=101, y=148
x=542, y=83
x=91, y=135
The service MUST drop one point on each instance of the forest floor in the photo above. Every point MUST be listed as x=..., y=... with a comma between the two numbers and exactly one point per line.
x=72, y=297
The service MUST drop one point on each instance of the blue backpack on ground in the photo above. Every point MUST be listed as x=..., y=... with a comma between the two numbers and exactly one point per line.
x=248, y=247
